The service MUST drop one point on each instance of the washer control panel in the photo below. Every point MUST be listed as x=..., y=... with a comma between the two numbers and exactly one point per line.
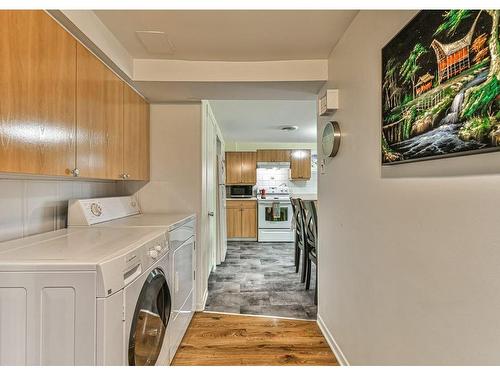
x=98, y=210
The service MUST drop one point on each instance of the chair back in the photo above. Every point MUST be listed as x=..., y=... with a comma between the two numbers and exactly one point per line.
x=299, y=222
x=310, y=225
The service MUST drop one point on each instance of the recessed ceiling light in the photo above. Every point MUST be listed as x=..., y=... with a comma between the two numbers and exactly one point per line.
x=289, y=128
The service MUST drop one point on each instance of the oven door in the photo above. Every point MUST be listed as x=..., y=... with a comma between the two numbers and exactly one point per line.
x=269, y=219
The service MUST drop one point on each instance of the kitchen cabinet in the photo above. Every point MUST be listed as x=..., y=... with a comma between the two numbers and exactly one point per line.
x=63, y=112
x=241, y=217
x=273, y=155
x=241, y=168
x=135, y=136
x=99, y=103
x=300, y=165
x=37, y=94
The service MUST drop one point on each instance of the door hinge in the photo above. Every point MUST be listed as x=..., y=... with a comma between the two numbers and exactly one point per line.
x=194, y=275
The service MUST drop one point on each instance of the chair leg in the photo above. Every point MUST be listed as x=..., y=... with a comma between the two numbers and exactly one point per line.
x=309, y=271
x=297, y=256
x=316, y=287
x=304, y=266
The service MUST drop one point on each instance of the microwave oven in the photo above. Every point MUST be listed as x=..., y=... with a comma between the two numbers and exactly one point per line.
x=241, y=191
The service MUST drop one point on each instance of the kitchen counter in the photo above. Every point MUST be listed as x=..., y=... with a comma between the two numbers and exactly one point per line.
x=305, y=197
x=242, y=199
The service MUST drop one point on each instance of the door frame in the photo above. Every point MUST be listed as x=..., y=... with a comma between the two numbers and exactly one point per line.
x=205, y=253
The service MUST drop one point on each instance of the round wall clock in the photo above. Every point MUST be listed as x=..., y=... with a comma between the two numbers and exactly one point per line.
x=330, y=140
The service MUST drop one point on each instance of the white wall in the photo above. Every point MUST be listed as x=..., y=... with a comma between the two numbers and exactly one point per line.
x=38, y=205
x=409, y=257
x=176, y=167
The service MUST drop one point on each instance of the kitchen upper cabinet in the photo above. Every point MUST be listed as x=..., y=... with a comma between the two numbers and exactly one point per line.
x=233, y=168
x=99, y=102
x=249, y=168
x=135, y=136
x=241, y=168
x=241, y=217
x=300, y=165
x=273, y=155
x=37, y=94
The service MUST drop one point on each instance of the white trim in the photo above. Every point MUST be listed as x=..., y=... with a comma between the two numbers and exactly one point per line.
x=341, y=358
x=201, y=306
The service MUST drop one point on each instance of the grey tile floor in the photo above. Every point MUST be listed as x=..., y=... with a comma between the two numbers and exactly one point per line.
x=259, y=278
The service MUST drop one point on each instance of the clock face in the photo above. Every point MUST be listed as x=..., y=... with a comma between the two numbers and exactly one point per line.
x=330, y=140
x=327, y=139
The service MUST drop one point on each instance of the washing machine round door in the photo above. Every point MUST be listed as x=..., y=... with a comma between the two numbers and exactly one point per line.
x=150, y=320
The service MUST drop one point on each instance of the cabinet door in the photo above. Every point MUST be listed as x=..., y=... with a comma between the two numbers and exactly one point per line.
x=37, y=94
x=233, y=219
x=233, y=168
x=135, y=135
x=99, y=118
x=249, y=221
x=249, y=168
x=265, y=155
x=300, y=164
x=283, y=155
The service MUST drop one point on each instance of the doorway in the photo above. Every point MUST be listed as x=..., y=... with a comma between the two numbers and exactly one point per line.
x=265, y=165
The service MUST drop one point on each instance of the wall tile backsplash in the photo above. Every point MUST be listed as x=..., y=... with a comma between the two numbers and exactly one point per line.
x=36, y=206
x=267, y=177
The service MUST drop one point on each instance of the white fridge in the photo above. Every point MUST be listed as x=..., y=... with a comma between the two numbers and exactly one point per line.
x=221, y=210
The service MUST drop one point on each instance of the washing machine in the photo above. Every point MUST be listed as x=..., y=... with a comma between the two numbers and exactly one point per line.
x=179, y=229
x=85, y=296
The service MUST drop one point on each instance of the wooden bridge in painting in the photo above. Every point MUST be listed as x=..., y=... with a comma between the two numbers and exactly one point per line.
x=394, y=132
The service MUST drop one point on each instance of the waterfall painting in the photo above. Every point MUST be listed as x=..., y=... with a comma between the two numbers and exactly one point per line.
x=441, y=86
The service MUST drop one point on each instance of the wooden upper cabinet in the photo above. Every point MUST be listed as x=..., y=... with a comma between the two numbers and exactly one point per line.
x=135, y=136
x=273, y=155
x=233, y=168
x=37, y=94
x=300, y=165
x=249, y=168
x=99, y=118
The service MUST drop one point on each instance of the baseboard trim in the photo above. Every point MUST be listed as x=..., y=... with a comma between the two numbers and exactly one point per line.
x=341, y=358
x=201, y=306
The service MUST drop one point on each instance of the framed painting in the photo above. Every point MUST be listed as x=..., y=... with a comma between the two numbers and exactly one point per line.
x=441, y=86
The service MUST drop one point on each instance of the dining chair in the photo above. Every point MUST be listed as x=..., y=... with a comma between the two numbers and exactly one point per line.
x=311, y=231
x=298, y=231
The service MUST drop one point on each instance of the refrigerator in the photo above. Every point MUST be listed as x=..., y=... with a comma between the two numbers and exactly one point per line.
x=221, y=210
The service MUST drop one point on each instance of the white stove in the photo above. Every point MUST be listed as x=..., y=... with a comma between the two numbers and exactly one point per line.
x=275, y=215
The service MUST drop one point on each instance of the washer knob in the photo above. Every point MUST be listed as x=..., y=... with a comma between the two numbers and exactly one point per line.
x=153, y=253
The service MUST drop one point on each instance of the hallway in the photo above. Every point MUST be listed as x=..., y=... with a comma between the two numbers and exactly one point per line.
x=259, y=279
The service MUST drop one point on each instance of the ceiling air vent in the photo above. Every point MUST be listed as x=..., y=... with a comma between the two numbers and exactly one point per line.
x=156, y=42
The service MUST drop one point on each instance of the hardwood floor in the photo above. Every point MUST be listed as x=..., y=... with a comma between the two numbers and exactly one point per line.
x=235, y=340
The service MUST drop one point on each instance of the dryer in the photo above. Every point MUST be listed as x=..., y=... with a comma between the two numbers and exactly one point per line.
x=179, y=229
x=94, y=296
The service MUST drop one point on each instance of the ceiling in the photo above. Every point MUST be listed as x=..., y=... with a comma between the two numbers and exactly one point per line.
x=261, y=120
x=231, y=35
